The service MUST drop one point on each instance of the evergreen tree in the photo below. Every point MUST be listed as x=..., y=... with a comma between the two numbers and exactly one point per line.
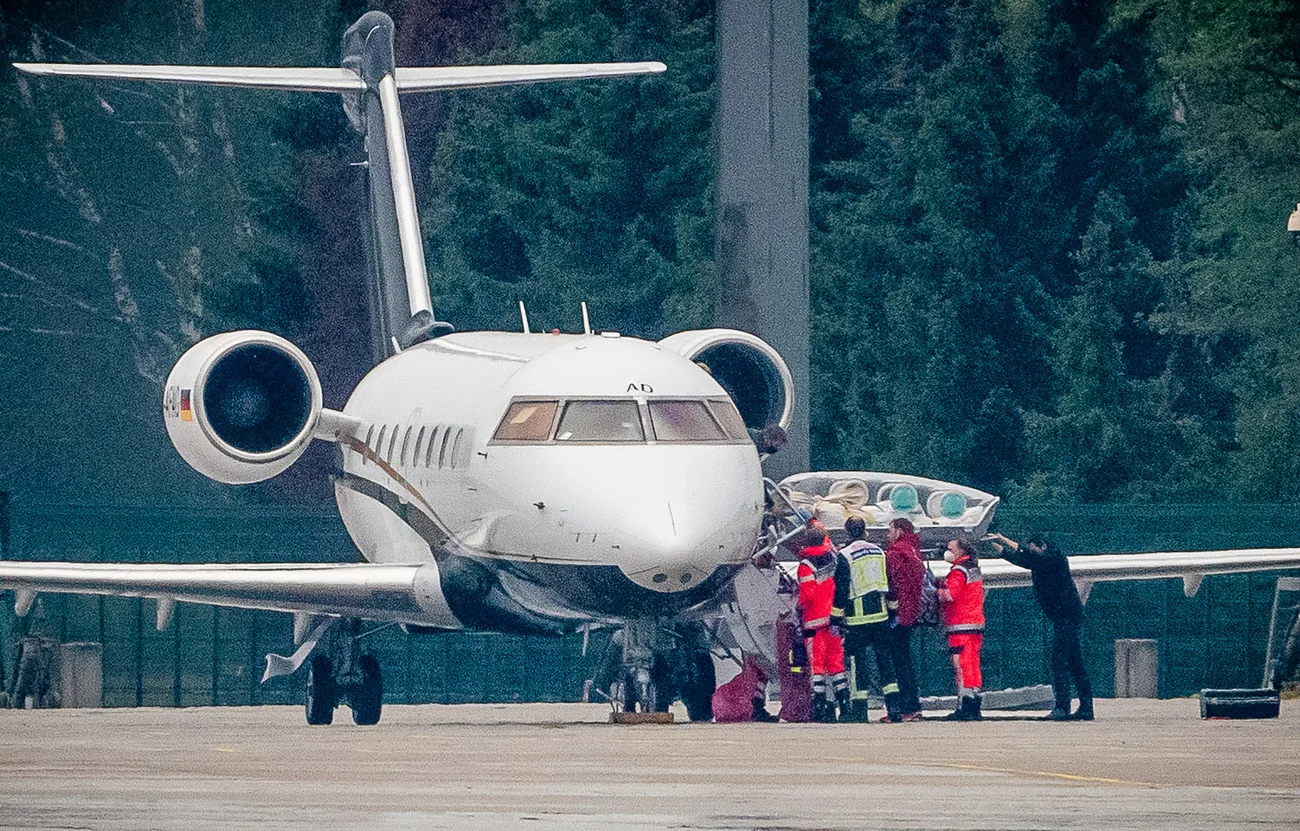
x=131, y=213
x=593, y=190
x=992, y=228
x=1234, y=72
x=921, y=277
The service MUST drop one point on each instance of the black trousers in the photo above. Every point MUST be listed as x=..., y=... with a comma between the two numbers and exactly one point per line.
x=900, y=649
x=1067, y=661
x=877, y=636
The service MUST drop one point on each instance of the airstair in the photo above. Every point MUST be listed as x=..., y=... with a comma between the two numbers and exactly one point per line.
x=1282, y=660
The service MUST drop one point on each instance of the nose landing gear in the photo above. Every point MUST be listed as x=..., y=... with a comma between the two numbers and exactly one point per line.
x=662, y=661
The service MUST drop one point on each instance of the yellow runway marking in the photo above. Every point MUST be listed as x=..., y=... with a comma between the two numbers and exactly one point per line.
x=1046, y=774
x=1043, y=773
x=227, y=750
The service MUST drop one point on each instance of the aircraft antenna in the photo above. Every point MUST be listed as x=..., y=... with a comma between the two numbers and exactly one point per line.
x=523, y=316
x=586, y=321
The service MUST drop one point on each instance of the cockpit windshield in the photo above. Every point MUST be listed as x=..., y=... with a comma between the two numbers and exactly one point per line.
x=602, y=421
x=724, y=410
x=622, y=421
x=527, y=421
x=684, y=421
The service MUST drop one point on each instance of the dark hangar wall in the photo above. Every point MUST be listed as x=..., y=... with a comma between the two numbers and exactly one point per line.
x=215, y=656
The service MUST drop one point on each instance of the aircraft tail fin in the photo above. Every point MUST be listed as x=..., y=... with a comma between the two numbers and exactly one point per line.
x=401, y=309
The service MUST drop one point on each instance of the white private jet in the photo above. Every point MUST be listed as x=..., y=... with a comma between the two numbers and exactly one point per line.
x=518, y=482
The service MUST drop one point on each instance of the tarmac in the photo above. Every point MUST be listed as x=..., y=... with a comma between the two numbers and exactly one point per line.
x=1143, y=764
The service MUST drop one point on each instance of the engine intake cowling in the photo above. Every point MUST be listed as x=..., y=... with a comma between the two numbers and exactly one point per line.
x=752, y=372
x=240, y=407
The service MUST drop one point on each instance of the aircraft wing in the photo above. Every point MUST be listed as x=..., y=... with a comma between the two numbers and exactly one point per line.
x=1191, y=566
x=403, y=593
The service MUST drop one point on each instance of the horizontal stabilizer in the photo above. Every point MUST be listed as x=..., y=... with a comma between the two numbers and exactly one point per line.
x=323, y=79
x=409, y=79
x=414, y=79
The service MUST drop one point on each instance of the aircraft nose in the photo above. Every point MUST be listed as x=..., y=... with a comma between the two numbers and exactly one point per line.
x=679, y=543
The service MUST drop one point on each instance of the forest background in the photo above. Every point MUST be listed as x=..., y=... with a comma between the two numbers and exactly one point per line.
x=1049, y=254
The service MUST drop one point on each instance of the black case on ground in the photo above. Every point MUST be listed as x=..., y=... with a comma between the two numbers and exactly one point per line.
x=1240, y=703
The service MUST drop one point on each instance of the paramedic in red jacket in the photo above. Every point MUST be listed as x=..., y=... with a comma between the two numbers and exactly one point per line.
x=906, y=576
x=962, y=595
x=816, y=596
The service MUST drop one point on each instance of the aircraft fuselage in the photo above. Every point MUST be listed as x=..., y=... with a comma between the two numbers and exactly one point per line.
x=627, y=485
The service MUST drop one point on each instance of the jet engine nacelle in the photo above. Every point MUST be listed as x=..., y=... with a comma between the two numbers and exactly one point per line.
x=752, y=372
x=241, y=407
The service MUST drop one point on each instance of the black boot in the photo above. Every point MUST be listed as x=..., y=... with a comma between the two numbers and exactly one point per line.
x=842, y=699
x=823, y=710
x=893, y=715
x=963, y=711
x=761, y=713
x=974, y=713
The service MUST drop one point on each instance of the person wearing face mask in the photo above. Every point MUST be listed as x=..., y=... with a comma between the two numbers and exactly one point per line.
x=962, y=595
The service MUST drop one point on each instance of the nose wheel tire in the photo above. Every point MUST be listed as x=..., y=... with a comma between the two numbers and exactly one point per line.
x=322, y=694
x=367, y=699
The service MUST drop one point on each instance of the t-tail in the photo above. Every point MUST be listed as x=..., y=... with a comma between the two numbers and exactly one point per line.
x=371, y=83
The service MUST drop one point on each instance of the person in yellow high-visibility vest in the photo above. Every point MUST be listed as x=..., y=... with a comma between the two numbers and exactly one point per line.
x=862, y=610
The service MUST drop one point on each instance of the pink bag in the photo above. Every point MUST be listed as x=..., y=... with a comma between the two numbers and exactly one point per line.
x=734, y=700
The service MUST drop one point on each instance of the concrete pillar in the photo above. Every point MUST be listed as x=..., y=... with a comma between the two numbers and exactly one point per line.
x=762, y=219
x=1137, y=668
x=81, y=674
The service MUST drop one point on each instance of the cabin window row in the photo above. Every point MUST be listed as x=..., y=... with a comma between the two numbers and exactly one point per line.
x=621, y=421
x=422, y=446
